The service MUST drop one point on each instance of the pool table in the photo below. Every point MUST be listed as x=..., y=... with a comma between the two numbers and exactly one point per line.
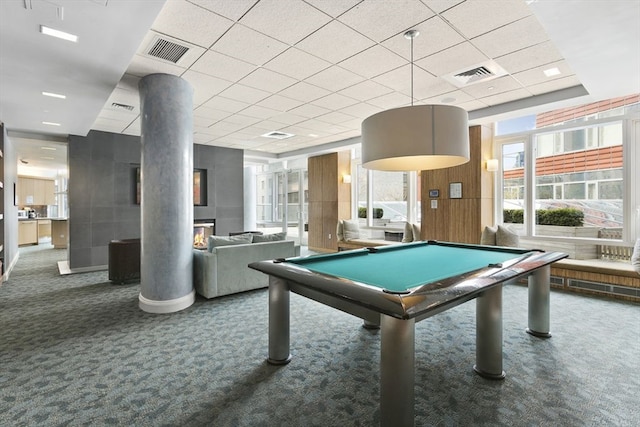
x=393, y=287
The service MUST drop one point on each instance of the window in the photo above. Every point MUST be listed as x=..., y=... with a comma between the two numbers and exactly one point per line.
x=574, y=168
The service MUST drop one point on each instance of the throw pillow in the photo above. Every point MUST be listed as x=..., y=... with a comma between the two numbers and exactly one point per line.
x=270, y=237
x=635, y=258
x=340, y=231
x=417, y=235
x=506, y=237
x=407, y=236
x=239, y=239
x=488, y=236
x=351, y=229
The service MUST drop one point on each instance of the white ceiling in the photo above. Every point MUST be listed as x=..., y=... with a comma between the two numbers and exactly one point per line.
x=312, y=68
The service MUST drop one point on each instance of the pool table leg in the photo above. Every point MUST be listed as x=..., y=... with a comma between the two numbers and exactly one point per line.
x=539, y=298
x=397, y=365
x=278, y=321
x=489, y=334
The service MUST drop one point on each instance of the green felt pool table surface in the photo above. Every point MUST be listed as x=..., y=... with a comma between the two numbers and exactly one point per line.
x=399, y=268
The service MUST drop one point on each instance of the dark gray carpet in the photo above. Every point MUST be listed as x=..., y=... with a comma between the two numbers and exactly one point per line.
x=76, y=350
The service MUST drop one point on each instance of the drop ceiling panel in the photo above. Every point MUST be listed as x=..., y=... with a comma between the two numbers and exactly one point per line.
x=435, y=35
x=267, y=80
x=510, y=38
x=304, y=92
x=286, y=21
x=382, y=19
x=492, y=87
x=333, y=8
x=297, y=64
x=204, y=86
x=334, y=101
x=335, y=42
x=361, y=110
x=279, y=103
x=536, y=76
x=226, y=104
x=365, y=90
x=222, y=66
x=373, y=62
x=473, y=18
x=187, y=21
x=248, y=45
x=260, y=112
x=528, y=58
x=461, y=56
x=309, y=110
x=229, y=9
x=243, y=93
x=334, y=78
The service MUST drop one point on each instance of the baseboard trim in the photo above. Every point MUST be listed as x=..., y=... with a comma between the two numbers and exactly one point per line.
x=167, y=306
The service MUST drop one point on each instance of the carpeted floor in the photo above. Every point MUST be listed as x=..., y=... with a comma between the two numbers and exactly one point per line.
x=76, y=350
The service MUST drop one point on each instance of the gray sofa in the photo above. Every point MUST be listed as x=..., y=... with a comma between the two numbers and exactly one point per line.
x=224, y=270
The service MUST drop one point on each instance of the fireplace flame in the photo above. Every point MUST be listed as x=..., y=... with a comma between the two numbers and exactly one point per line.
x=198, y=237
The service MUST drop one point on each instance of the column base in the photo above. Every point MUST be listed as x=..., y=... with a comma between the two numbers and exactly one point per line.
x=489, y=375
x=538, y=334
x=167, y=306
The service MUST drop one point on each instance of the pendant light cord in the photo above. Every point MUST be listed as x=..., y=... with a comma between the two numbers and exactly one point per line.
x=411, y=34
x=412, y=71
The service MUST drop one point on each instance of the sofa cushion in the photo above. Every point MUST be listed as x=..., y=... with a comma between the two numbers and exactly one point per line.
x=239, y=239
x=351, y=229
x=274, y=237
x=488, y=236
x=635, y=257
x=506, y=237
x=417, y=233
x=407, y=236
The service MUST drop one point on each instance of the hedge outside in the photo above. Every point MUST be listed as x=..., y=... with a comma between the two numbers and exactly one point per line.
x=377, y=213
x=568, y=217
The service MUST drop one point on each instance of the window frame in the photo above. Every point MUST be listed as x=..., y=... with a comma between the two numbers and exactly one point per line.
x=630, y=173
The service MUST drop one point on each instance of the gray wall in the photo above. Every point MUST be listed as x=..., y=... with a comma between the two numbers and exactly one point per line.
x=101, y=193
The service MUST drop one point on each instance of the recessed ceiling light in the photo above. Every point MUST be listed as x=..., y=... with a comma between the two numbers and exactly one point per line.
x=448, y=100
x=551, y=72
x=59, y=34
x=48, y=148
x=51, y=123
x=46, y=158
x=313, y=135
x=54, y=95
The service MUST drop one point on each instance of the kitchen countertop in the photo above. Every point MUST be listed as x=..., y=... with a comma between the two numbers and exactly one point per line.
x=42, y=218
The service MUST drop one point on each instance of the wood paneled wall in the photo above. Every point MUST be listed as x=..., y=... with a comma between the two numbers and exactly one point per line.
x=329, y=198
x=461, y=220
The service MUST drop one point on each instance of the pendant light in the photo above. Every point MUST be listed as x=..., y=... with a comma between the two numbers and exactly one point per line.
x=414, y=138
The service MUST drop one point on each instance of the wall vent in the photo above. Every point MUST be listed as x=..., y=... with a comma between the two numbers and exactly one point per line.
x=278, y=135
x=166, y=50
x=604, y=288
x=119, y=106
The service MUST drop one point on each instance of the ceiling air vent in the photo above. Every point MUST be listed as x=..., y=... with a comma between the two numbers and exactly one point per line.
x=470, y=76
x=486, y=71
x=169, y=51
x=119, y=106
x=277, y=135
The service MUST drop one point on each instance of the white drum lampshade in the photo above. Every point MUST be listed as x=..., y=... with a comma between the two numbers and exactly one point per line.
x=414, y=138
